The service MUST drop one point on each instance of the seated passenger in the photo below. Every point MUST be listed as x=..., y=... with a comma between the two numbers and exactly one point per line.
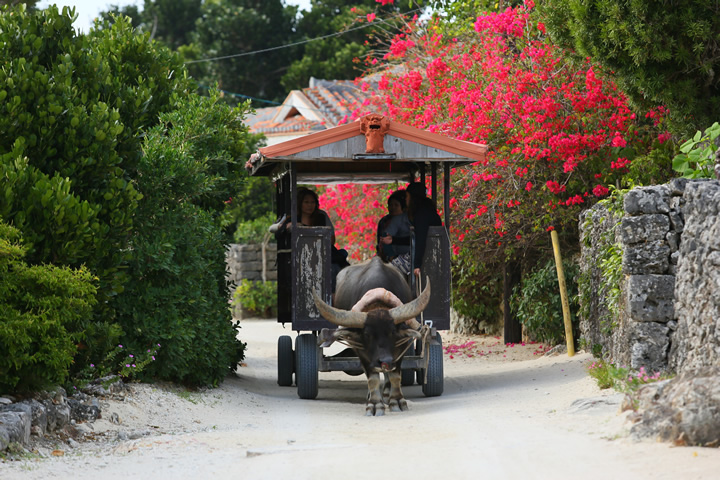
x=310, y=215
x=393, y=231
x=423, y=215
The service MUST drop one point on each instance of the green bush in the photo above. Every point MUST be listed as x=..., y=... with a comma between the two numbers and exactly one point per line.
x=252, y=230
x=697, y=155
x=177, y=295
x=257, y=298
x=44, y=311
x=73, y=111
x=538, y=304
x=476, y=289
x=73, y=108
x=622, y=379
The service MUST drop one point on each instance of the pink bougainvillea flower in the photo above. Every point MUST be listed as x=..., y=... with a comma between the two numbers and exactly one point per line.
x=600, y=191
x=554, y=130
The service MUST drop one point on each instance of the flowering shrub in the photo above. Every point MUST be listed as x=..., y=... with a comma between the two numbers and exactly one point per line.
x=120, y=361
x=557, y=132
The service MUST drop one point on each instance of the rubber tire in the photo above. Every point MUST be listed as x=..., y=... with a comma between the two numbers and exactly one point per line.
x=286, y=361
x=408, y=376
x=306, y=366
x=435, y=379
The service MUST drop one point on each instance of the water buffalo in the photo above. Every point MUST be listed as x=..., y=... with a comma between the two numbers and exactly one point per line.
x=377, y=319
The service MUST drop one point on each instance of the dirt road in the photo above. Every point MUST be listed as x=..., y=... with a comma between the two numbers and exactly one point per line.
x=500, y=417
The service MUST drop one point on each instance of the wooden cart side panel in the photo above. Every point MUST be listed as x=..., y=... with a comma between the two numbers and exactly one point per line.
x=311, y=270
x=436, y=266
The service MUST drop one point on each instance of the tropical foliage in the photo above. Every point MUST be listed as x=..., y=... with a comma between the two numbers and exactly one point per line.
x=84, y=185
x=45, y=311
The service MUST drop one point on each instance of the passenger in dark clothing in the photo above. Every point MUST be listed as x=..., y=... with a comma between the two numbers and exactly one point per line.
x=423, y=215
x=393, y=231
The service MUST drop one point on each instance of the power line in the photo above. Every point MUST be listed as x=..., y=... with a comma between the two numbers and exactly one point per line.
x=233, y=94
x=240, y=95
x=236, y=55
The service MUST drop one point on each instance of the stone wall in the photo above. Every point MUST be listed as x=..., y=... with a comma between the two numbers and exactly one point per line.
x=666, y=307
x=250, y=262
x=696, y=342
x=246, y=262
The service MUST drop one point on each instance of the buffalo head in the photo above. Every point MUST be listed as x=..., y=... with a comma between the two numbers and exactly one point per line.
x=379, y=329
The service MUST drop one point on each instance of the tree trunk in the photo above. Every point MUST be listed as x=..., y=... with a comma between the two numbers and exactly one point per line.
x=512, y=329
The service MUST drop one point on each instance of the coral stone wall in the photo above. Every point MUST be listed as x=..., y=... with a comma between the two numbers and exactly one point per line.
x=668, y=309
x=696, y=342
x=246, y=262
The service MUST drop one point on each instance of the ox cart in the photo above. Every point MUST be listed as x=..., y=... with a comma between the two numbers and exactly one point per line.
x=359, y=152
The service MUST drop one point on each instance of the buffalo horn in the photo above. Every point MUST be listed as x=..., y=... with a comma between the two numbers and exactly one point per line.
x=412, y=309
x=341, y=318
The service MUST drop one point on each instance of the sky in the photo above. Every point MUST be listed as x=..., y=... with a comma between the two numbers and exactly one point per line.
x=87, y=10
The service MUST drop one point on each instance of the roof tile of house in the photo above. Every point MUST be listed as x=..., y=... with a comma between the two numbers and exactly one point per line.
x=333, y=99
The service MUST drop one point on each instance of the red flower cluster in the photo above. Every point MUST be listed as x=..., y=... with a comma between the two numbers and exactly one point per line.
x=546, y=122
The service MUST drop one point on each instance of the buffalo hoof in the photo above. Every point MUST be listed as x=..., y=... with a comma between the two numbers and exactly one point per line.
x=376, y=410
x=398, y=405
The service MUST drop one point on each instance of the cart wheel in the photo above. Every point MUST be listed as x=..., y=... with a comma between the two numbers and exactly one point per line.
x=408, y=375
x=285, y=361
x=434, y=385
x=306, y=366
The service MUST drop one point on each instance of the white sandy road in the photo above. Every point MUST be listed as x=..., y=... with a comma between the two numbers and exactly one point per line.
x=499, y=418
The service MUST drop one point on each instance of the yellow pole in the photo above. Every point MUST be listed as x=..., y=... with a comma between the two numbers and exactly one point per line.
x=563, y=295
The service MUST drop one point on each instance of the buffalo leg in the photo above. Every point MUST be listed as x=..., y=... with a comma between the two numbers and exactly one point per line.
x=375, y=405
x=395, y=400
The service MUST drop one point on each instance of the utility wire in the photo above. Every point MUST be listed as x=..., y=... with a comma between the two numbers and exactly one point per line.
x=302, y=42
x=240, y=95
x=233, y=94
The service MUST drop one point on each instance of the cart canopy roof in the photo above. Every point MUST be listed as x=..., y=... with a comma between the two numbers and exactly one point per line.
x=342, y=154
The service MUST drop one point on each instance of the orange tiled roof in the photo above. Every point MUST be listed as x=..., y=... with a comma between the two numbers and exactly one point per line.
x=329, y=100
x=264, y=122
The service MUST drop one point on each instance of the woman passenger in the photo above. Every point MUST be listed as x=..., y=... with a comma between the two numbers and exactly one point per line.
x=310, y=215
x=423, y=215
x=393, y=232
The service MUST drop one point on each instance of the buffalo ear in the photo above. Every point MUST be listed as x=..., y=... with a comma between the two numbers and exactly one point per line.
x=351, y=337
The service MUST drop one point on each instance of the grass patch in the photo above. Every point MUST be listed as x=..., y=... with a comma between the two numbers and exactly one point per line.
x=622, y=379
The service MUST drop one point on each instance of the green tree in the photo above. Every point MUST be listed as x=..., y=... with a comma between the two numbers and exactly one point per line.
x=30, y=4
x=344, y=56
x=662, y=53
x=169, y=21
x=75, y=112
x=229, y=28
x=178, y=296
x=73, y=107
